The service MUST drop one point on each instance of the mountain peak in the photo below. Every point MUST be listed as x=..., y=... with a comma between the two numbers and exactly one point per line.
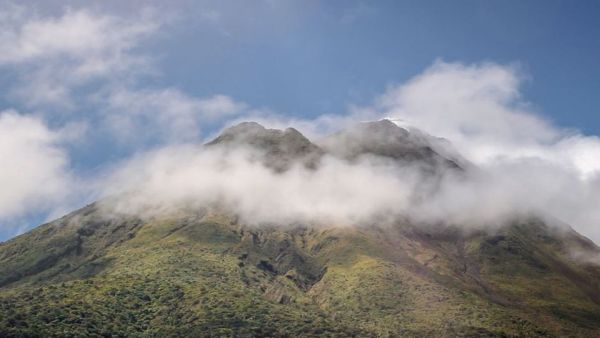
x=385, y=138
x=239, y=132
x=254, y=133
x=380, y=127
x=280, y=147
x=379, y=138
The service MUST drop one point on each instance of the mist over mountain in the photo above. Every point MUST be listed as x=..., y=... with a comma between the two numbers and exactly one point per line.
x=368, y=171
x=371, y=171
x=299, y=168
x=369, y=231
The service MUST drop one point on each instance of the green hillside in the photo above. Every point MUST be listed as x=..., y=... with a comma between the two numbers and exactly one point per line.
x=203, y=274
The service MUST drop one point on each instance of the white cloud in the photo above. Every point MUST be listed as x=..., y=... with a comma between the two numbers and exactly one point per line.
x=83, y=58
x=78, y=34
x=477, y=107
x=55, y=54
x=527, y=163
x=179, y=177
x=480, y=110
x=524, y=164
x=165, y=114
x=34, y=172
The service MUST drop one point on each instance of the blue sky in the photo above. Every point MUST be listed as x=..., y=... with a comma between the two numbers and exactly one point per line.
x=103, y=82
x=307, y=60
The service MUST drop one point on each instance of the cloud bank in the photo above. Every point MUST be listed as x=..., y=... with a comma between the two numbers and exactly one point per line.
x=34, y=174
x=54, y=55
x=527, y=162
x=185, y=177
x=93, y=63
x=480, y=109
x=521, y=164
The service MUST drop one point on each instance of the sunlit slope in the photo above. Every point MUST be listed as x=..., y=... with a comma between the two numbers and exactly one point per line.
x=204, y=273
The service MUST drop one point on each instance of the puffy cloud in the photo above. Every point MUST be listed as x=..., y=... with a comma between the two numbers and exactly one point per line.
x=179, y=177
x=168, y=114
x=526, y=163
x=523, y=164
x=55, y=54
x=78, y=34
x=34, y=172
x=82, y=59
x=480, y=110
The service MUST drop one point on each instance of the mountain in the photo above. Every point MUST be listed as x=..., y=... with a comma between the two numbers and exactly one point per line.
x=384, y=138
x=205, y=273
x=279, y=148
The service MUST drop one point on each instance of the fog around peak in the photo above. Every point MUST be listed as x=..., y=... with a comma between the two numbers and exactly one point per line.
x=457, y=144
x=513, y=162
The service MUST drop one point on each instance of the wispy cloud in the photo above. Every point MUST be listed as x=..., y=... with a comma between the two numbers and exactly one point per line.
x=168, y=114
x=94, y=61
x=523, y=164
x=54, y=55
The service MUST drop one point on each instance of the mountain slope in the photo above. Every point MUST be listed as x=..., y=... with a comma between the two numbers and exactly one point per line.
x=386, y=139
x=203, y=273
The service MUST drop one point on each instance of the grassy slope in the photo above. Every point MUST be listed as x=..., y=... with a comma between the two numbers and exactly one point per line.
x=204, y=274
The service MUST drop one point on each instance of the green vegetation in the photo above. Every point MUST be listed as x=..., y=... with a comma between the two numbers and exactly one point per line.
x=202, y=274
